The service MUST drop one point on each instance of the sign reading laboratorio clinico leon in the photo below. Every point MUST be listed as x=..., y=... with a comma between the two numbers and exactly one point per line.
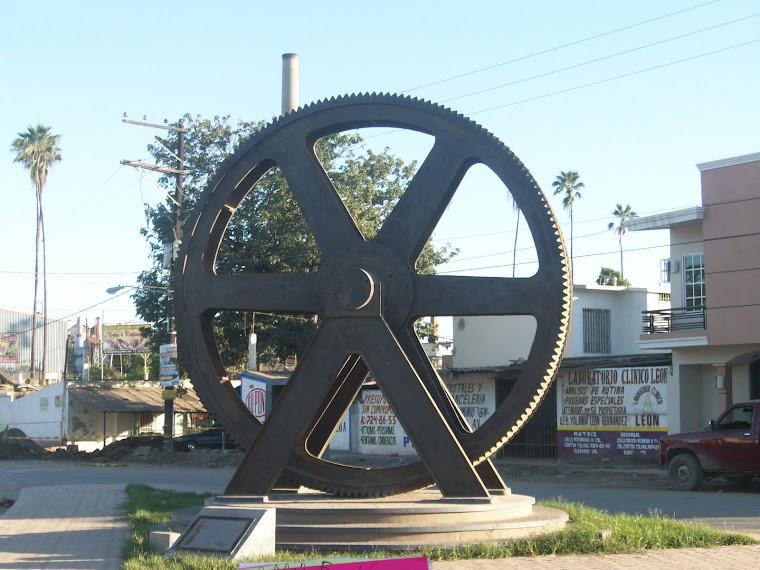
x=611, y=411
x=168, y=373
x=380, y=431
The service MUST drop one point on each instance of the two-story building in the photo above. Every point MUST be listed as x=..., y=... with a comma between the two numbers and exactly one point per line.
x=713, y=326
x=609, y=397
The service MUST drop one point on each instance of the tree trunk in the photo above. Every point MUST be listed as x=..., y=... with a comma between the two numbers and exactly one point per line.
x=43, y=372
x=620, y=239
x=572, y=268
x=514, y=250
x=33, y=363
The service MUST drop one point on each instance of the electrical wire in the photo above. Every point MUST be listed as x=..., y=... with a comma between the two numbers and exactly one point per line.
x=50, y=321
x=67, y=220
x=608, y=79
x=556, y=48
x=589, y=62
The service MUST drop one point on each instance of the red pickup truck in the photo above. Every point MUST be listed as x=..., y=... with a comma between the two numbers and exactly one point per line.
x=730, y=448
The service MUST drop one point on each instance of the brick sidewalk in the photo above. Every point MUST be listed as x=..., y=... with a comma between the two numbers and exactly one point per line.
x=64, y=527
x=741, y=557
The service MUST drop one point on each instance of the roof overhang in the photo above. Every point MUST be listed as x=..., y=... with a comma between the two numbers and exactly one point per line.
x=132, y=398
x=642, y=360
x=667, y=220
x=733, y=161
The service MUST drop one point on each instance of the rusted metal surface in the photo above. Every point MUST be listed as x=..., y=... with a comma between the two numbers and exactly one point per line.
x=367, y=295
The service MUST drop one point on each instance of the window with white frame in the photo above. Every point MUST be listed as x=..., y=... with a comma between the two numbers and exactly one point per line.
x=694, y=280
x=596, y=331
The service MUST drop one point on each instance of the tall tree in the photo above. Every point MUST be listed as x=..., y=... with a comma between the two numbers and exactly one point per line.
x=37, y=150
x=608, y=276
x=268, y=233
x=568, y=184
x=623, y=215
x=516, y=210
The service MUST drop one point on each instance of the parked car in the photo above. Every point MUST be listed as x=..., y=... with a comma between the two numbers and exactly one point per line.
x=213, y=438
x=729, y=447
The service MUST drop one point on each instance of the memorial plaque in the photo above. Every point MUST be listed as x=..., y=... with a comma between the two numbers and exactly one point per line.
x=233, y=532
x=215, y=534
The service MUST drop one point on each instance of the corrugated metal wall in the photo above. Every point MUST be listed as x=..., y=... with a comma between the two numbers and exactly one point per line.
x=16, y=322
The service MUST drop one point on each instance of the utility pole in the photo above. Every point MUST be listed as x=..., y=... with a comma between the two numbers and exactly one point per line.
x=169, y=392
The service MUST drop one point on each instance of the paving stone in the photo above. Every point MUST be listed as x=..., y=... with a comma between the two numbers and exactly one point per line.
x=64, y=527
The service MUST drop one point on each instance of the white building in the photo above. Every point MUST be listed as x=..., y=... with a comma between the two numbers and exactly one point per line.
x=579, y=415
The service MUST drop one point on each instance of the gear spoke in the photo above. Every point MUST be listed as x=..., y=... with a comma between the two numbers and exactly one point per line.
x=463, y=296
x=330, y=222
x=421, y=364
x=270, y=292
x=347, y=386
x=410, y=224
x=432, y=436
x=288, y=422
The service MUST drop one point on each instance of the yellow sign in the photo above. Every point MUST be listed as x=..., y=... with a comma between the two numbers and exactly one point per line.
x=168, y=394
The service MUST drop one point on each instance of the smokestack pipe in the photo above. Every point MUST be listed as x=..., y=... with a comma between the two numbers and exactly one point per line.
x=289, y=82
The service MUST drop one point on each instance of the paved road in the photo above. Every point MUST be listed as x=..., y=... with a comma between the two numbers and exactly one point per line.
x=722, y=507
x=41, y=473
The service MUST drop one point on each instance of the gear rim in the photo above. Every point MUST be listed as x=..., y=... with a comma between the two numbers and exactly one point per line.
x=195, y=336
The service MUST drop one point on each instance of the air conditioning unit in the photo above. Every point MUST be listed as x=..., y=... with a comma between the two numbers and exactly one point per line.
x=667, y=268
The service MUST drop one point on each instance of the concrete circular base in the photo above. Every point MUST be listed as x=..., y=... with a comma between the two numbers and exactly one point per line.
x=309, y=520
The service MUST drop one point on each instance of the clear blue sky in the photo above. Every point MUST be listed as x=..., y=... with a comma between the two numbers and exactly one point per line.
x=634, y=125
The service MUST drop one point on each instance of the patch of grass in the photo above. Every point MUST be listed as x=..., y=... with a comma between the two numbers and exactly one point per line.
x=628, y=533
x=147, y=506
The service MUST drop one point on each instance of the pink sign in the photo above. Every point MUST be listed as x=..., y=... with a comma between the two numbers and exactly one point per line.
x=414, y=563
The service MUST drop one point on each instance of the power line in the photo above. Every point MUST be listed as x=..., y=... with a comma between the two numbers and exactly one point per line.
x=614, y=78
x=75, y=272
x=68, y=219
x=589, y=62
x=576, y=222
x=523, y=58
x=50, y=321
x=615, y=252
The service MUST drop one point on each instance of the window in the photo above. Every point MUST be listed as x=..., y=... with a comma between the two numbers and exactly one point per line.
x=144, y=423
x=596, y=331
x=694, y=280
x=738, y=418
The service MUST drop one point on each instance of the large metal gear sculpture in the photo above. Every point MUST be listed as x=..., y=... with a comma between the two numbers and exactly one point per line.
x=367, y=296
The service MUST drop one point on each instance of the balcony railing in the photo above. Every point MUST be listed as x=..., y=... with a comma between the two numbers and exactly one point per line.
x=673, y=320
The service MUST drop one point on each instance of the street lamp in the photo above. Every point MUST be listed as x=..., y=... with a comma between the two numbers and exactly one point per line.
x=117, y=288
x=168, y=393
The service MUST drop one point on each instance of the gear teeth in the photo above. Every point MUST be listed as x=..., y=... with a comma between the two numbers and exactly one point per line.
x=540, y=378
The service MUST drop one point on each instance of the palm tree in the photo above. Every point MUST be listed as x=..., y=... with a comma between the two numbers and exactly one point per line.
x=37, y=149
x=623, y=215
x=567, y=183
x=516, y=209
